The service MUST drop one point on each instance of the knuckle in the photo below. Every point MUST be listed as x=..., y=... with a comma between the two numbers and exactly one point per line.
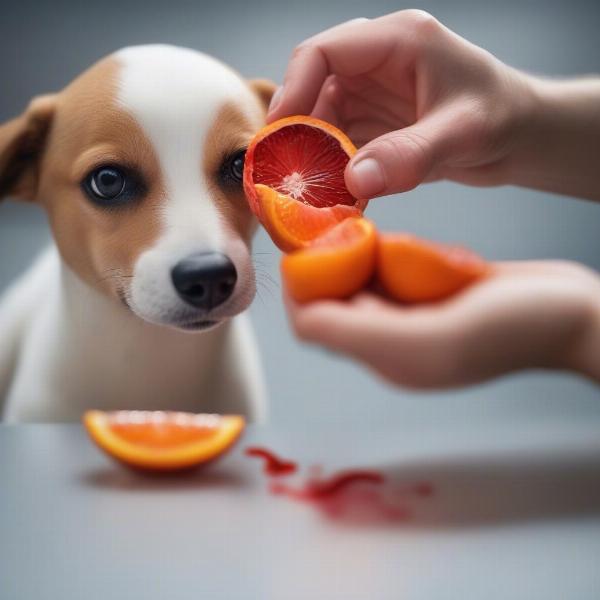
x=357, y=21
x=307, y=46
x=411, y=150
x=421, y=21
x=301, y=49
x=416, y=144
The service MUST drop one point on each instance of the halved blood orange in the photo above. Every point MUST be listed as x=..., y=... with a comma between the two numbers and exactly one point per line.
x=163, y=441
x=336, y=265
x=299, y=162
x=414, y=270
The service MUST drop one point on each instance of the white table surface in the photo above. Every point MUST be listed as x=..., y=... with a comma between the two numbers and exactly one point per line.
x=515, y=514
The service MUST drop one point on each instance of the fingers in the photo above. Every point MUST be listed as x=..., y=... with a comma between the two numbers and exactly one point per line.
x=530, y=314
x=351, y=49
x=400, y=160
x=329, y=104
x=342, y=326
x=411, y=347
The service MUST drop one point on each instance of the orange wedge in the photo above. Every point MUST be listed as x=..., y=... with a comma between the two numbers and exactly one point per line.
x=336, y=265
x=293, y=225
x=163, y=441
x=414, y=270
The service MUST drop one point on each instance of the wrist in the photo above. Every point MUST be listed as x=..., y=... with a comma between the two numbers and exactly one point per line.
x=555, y=136
x=529, y=125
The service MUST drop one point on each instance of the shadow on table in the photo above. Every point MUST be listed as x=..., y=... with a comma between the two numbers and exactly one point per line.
x=128, y=480
x=456, y=491
x=488, y=491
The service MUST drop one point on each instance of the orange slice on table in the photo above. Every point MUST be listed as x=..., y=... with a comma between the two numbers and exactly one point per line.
x=163, y=441
x=336, y=265
x=294, y=179
x=413, y=270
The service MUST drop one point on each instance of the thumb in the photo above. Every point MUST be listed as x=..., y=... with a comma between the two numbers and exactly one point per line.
x=395, y=162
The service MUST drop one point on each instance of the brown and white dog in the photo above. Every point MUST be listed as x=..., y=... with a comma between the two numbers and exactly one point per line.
x=138, y=164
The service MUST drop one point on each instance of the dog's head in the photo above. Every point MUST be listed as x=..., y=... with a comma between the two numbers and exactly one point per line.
x=139, y=164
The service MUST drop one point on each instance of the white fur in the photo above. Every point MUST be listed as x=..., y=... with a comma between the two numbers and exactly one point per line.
x=79, y=349
x=176, y=117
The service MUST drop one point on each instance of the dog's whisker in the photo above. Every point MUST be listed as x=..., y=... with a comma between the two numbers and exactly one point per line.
x=266, y=278
x=261, y=285
x=269, y=281
x=263, y=264
x=259, y=296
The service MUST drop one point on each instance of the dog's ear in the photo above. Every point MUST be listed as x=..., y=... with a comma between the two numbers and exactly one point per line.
x=22, y=143
x=264, y=89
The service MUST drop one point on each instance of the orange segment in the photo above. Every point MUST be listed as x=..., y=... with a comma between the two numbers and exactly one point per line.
x=337, y=264
x=293, y=225
x=163, y=441
x=414, y=270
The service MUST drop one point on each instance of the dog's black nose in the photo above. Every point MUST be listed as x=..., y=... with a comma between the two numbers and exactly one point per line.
x=204, y=280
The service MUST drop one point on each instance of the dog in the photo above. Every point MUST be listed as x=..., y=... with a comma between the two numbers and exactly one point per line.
x=138, y=304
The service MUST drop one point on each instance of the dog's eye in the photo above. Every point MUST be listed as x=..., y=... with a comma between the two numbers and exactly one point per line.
x=232, y=170
x=109, y=186
x=107, y=183
x=237, y=165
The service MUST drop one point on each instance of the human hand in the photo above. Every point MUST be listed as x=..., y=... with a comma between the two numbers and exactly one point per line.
x=542, y=314
x=425, y=104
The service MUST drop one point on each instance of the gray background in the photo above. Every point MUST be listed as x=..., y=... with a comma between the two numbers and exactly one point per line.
x=43, y=46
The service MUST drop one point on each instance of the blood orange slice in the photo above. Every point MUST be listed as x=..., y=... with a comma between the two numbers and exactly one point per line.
x=414, y=270
x=336, y=265
x=301, y=160
x=163, y=441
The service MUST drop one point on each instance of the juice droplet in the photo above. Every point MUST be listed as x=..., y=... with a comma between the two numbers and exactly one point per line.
x=274, y=465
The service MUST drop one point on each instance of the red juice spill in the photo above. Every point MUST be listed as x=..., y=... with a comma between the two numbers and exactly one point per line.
x=351, y=496
x=340, y=481
x=357, y=496
x=315, y=489
x=274, y=466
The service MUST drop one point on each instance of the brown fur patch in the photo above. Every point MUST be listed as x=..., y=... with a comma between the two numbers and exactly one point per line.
x=231, y=131
x=22, y=142
x=264, y=89
x=90, y=130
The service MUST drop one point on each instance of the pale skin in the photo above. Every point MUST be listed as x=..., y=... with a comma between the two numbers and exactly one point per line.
x=423, y=104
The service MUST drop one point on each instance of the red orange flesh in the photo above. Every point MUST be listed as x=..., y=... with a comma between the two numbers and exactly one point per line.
x=294, y=179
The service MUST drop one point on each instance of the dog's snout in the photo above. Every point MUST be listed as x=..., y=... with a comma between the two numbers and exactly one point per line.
x=204, y=280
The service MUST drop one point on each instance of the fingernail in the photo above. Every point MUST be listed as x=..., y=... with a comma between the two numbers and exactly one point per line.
x=368, y=177
x=275, y=99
